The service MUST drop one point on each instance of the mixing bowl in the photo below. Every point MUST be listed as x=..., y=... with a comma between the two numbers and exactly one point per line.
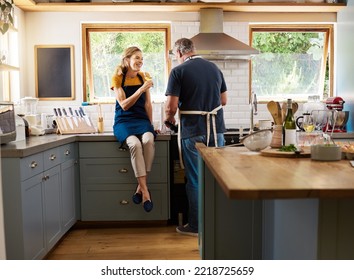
x=258, y=140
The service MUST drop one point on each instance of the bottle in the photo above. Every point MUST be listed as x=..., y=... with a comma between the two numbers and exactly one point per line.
x=289, y=126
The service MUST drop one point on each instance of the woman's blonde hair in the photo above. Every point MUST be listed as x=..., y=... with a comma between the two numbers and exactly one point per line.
x=124, y=65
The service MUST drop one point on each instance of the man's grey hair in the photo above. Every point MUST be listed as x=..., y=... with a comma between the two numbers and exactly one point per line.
x=184, y=45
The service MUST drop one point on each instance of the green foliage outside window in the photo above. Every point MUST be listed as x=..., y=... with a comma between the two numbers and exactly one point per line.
x=290, y=64
x=105, y=52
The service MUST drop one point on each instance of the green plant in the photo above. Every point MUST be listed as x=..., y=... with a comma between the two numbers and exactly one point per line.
x=6, y=15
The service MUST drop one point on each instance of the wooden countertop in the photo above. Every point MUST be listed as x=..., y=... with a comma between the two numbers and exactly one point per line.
x=36, y=144
x=248, y=175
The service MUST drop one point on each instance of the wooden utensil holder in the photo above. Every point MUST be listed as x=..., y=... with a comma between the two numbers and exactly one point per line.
x=277, y=139
x=75, y=125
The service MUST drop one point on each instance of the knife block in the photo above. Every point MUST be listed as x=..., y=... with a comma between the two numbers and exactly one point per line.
x=75, y=125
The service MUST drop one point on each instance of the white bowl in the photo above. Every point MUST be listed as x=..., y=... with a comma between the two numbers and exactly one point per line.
x=258, y=140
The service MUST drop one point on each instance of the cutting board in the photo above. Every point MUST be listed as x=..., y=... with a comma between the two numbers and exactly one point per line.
x=277, y=153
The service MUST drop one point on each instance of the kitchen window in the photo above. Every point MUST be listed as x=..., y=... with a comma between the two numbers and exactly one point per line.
x=295, y=61
x=103, y=45
x=9, y=61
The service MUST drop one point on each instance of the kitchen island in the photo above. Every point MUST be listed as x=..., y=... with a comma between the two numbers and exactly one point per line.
x=257, y=207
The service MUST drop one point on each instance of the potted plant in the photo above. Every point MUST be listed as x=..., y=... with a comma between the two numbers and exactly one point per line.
x=6, y=15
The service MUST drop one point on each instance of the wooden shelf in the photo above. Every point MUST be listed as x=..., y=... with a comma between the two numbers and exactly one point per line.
x=286, y=7
x=6, y=67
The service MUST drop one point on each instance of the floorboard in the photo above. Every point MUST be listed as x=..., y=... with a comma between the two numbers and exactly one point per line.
x=126, y=243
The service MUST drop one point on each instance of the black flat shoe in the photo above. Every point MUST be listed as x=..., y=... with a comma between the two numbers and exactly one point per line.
x=148, y=205
x=137, y=197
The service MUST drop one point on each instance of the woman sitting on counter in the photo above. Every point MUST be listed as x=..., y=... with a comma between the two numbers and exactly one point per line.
x=133, y=119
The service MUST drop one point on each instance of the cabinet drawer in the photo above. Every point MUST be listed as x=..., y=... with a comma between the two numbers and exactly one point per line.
x=112, y=202
x=112, y=149
x=31, y=165
x=67, y=152
x=119, y=170
x=51, y=158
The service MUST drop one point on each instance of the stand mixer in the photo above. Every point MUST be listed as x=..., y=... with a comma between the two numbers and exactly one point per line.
x=337, y=118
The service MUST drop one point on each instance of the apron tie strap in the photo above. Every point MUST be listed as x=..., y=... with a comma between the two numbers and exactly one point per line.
x=212, y=113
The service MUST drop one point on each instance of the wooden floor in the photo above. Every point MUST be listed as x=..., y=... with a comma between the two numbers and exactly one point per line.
x=126, y=243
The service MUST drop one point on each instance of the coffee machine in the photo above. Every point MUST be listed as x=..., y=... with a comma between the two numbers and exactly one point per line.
x=337, y=118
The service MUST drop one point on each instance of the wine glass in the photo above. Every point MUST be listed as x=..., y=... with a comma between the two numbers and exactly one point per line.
x=308, y=123
x=309, y=126
x=147, y=76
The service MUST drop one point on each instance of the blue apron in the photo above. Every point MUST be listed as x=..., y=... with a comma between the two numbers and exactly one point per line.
x=133, y=121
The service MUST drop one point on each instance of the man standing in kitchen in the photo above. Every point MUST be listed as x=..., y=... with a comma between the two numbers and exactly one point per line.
x=197, y=89
x=133, y=119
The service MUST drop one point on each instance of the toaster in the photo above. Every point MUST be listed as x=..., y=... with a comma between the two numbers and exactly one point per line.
x=7, y=122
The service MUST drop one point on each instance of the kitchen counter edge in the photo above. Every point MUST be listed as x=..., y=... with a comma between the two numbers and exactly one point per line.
x=37, y=144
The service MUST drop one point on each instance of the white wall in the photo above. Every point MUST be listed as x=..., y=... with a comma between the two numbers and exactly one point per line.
x=2, y=234
x=345, y=59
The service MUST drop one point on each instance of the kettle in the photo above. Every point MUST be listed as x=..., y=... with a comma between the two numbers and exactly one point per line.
x=299, y=121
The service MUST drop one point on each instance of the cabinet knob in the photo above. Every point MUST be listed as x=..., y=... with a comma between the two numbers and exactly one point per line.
x=123, y=170
x=124, y=202
x=67, y=152
x=52, y=157
x=33, y=164
x=46, y=177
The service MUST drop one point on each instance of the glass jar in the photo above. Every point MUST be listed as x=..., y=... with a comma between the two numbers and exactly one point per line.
x=313, y=104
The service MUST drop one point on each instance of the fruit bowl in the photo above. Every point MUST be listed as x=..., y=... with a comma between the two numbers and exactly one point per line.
x=258, y=140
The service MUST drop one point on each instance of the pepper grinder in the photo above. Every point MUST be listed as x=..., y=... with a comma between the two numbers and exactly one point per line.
x=100, y=124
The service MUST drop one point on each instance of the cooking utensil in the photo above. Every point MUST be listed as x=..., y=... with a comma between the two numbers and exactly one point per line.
x=258, y=140
x=67, y=119
x=83, y=115
x=61, y=120
x=275, y=111
x=73, y=117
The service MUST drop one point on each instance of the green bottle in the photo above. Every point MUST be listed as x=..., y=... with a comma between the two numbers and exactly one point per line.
x=289, y=126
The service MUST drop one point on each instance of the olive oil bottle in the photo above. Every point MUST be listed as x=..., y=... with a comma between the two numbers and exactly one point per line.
x=289, y=126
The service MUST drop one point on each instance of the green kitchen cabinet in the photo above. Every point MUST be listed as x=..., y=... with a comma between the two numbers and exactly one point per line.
x=39, y=201
x=108, y=183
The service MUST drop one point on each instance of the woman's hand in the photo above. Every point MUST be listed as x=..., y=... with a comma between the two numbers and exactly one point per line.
x=147, y=84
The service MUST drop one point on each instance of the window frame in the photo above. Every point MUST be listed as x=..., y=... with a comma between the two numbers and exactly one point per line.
x=328, y=49
x=86, y=28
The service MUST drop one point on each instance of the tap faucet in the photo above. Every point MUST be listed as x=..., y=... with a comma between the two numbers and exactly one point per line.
x=253, y=105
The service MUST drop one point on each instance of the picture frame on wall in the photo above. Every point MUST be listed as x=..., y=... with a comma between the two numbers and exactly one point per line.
x=54, y=72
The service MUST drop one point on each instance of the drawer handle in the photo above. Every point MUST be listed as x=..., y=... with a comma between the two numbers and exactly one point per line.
x=124, y=202
x=122, y=149
x=123, y=170
x=33, y=164
x=52, y=157
x=67, y=152
x=46, y=177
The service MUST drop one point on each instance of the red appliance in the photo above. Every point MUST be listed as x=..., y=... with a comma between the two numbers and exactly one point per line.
x=337, y=118
x=336, y=103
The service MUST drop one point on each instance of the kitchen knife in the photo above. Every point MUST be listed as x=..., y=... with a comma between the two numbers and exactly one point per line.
x=61, y=120
x=87, y=119
x=57, y=119
x=67, y=119
x=73, y=117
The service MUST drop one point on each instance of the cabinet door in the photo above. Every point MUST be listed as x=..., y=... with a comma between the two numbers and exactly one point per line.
x=51, y=194
x=33, y=221
x=68, y=197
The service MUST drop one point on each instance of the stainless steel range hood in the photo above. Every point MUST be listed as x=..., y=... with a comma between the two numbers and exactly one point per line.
x=212, y=43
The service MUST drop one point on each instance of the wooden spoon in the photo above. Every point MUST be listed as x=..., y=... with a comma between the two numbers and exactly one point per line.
x=274, y=109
